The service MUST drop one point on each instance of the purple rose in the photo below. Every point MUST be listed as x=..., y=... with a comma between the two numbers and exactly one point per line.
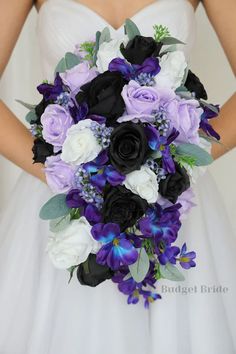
x=59, y=175
x=184, y=115
x=56, y=121
x=140, y=99
x=78, y=76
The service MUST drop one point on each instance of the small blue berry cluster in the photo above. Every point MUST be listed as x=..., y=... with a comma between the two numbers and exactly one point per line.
x=87, y=191
x=161, y=121
x=36, y=130
x=63, y=99
x=160, y=172
x=102, y=133
x=145, y=79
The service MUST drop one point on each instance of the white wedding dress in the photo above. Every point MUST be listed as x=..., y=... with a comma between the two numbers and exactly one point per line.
x=41, y=314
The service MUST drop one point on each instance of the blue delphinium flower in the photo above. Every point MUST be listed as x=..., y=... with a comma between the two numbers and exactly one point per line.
x=117, y=250
x=186, y=259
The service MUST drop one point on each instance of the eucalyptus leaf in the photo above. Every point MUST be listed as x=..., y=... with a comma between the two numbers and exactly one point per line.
x=128, y=276
x=55, y=208
x=105, y=36
x=31, y=117
x=185, y=75
x=171, y=272
x=71, y=270
x=96, y=48
x=171, y=40
x=140, y=268
x=59, y=224
x=211, y=139
x=61, y=66
x=210, y=106
x=171, y=48
x=182, y=88
x=184, y=94
x=71, y=60
x=27, y=105
x=201, y=156
x=131, y=29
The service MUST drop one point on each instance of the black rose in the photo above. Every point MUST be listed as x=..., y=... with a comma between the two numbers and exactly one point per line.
x=103, y=96
x=41, y=150
x=91, y=273
x=139, y=48
x=122, y=207
x=174, y=184
x=39, y=110
x=193, y=84
x=129, y=147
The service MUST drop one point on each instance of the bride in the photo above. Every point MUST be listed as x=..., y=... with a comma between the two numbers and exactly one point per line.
x=39, y=312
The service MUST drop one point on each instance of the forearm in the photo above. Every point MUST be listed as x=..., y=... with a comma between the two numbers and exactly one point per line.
x=225, y=125
x=16, y=143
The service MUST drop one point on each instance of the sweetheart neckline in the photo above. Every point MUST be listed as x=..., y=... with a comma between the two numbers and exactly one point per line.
x=104, y=21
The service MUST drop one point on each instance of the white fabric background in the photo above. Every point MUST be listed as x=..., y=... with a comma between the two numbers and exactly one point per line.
x=208, y=60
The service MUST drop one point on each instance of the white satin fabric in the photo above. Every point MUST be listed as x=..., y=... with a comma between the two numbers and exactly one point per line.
x=41, y=314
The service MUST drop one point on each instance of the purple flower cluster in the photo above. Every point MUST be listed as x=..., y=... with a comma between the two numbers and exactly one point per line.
x=110, y=141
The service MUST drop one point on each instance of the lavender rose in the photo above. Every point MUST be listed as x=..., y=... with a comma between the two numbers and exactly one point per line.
x=184, y=115
x=55, y=121
x=59, y=175
x=140, y=99
x=78, y=76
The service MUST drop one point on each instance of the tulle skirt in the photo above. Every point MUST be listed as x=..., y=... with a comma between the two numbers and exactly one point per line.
x=40, y=313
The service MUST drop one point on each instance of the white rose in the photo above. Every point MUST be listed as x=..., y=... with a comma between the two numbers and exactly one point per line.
x=80, y=145
x=173, y=65
x=108, y=51
x=72, y=245
x=144, y=183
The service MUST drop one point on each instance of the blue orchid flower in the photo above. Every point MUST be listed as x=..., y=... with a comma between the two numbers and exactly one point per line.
x=131, y=71
x=158, y=142
x=204, y=123
x=51, y=91
x=186, y=259
x=162, y=224
x=117, y=250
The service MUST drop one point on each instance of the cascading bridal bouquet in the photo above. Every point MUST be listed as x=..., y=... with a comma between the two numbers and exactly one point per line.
x=122, y=131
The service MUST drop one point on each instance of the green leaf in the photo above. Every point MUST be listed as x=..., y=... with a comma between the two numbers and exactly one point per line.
x=61, y=66
x=71, y=270
x=140, y=268
x=128, y=276
x=59, y=224
x=131, y=29
x=105, y=36
x=170, y=272
x=27, y=105
x=210, y=106
x=171, y=40
x=55, y=208
x=31, y=117
x=68, y=62
x=71, y=60
x=96, y=48
x=202, y=157
x=185, y=76
x=171, y=48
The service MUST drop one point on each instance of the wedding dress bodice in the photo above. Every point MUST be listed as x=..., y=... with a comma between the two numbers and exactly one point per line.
x=64, y=23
